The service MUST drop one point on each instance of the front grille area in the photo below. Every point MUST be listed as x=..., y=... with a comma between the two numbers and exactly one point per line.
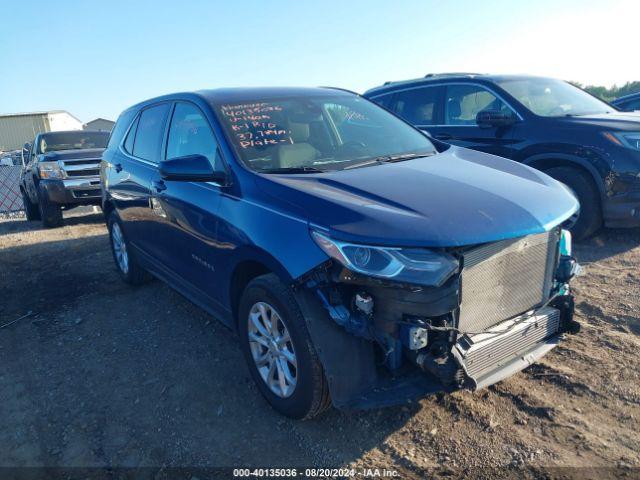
x=485, y=352
x=81, y=167
x=503, y=279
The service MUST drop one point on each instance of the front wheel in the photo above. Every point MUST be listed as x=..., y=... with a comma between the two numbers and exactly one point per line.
x=30, y=209
x=50, y=213
x=590, y=217
x=276, y=344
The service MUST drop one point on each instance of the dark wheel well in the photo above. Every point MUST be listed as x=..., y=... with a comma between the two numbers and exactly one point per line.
x=242, y=275
x=107, y=208
x=549, y=163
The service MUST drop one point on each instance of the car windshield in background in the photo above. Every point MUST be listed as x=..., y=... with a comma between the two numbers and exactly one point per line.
x=553, y=98
x=315, y=134
x=54, y=142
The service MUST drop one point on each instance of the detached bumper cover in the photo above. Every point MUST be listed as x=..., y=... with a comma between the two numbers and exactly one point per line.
x=508, y=347
x=622, y=210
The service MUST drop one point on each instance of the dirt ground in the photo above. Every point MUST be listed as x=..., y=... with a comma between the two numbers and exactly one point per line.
x=100, y=374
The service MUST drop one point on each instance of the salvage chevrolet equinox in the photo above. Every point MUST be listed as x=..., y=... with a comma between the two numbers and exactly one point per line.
x=360, y=263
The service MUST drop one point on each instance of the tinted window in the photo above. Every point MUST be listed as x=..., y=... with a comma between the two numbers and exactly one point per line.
x=418, y=105
x=325, y=132
x=149, y=132
x=631, y=106
x=190, y=134
x=131, y=136
x=463, y=102
x=384, y=100
x=123, y=122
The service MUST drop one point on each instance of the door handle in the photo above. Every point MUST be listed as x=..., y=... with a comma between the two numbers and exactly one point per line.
x=159, y=185
x=118, y=167
x=443, y=136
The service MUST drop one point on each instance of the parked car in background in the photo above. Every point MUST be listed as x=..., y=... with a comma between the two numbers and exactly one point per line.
x=628, y=103
x=542, y=122
x=360, y=263
x=61, y=170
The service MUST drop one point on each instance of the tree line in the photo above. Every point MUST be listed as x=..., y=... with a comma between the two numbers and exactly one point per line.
x=608, y=94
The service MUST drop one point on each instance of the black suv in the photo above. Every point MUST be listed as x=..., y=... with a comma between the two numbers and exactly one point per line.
x=542, y=122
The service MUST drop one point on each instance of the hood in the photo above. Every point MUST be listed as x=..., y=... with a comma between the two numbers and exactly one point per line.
x=629, y=121
x=72, y=154
x=458, y=197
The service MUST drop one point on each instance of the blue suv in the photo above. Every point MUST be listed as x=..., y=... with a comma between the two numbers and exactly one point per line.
x=545, y=123
x=360, y=263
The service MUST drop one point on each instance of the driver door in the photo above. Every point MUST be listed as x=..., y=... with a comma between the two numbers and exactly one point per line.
x=460, y=105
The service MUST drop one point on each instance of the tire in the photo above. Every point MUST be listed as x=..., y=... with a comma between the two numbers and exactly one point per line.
x=310, y=395
x=31, y=211
x=129, y=270
x=50, y=213
x=590, y=217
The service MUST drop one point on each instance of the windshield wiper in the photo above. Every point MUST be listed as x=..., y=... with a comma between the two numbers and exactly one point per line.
x=292, y=170
x=389, y=159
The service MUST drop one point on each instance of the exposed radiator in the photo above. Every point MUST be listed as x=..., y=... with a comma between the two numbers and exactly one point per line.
x=483, y=353
x=503, y=279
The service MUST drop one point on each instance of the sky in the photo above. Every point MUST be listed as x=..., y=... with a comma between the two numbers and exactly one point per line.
x=94, y=59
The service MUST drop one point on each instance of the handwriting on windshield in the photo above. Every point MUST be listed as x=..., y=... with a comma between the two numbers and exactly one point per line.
x=253, y=124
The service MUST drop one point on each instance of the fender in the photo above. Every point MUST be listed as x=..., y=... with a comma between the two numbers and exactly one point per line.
x=570, y=159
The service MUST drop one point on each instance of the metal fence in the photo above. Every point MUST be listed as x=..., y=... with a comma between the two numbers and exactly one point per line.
x=10, y=197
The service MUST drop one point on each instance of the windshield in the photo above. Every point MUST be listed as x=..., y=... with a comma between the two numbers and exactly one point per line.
x=56, y=141
x=553, y=98
x=317, y=133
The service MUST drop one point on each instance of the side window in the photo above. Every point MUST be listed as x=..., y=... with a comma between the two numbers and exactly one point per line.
x=632, y=105
x=418, y=106
x=149, y=132
x=463, y=102
x=190, y=134
x=120, y=128
x=384, y=100
x=128, y=143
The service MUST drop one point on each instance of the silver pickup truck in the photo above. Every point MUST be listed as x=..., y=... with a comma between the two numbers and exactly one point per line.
x=60, y=171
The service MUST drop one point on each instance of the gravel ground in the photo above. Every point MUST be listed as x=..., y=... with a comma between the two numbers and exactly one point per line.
x=103, y=375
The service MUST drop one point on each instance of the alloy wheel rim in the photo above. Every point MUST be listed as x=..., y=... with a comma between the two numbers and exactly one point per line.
x=272, y=349
x=120, y=248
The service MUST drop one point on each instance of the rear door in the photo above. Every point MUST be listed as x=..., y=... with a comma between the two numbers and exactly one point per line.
x=134, y=168
x=459, y=105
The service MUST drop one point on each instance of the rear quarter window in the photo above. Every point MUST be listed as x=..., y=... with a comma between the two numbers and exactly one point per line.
x=120, y=128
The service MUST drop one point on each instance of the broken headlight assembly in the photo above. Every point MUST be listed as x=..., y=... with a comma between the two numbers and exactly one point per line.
x=418, y=266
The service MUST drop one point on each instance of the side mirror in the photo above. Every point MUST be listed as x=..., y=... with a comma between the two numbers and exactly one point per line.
x=494, y=118
x=190, y=168
x=26, y=148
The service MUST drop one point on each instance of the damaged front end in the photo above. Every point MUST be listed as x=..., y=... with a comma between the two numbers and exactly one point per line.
x=467, y=317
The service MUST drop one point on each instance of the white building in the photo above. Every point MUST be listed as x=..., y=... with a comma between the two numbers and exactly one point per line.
x=18, y=128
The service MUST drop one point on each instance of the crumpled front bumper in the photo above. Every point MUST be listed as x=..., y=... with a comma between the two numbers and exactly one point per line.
x=508, y=347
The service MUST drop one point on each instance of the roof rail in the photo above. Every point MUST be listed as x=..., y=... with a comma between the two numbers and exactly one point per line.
x=451, y=74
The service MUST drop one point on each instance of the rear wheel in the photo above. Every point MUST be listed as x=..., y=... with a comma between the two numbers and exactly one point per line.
x=128, y=268
x=590, y=217
x=276, y=344
x=30, y=209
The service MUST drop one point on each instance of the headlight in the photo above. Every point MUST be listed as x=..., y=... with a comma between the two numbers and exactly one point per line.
x=565, y=243
x=625, y=139
x=49, y=170
x=407, y=265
